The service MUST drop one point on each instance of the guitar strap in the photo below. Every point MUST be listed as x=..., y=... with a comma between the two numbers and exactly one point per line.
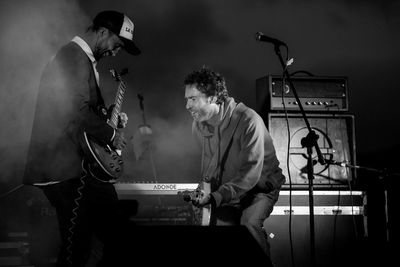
x=96, y=100
x=100, y=105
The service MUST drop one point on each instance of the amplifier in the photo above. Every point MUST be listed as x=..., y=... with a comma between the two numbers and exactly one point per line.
x=316, y=93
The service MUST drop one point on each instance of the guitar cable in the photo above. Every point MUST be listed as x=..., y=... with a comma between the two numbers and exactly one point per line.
x=75, y=214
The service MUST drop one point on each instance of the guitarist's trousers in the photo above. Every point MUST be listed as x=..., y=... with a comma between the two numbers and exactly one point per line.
x=85, y=207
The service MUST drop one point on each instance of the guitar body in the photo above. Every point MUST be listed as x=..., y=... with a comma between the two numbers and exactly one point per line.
x=206, y=211
x=103, y=161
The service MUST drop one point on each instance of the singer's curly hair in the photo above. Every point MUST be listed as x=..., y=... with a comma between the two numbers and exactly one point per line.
x=208, y=82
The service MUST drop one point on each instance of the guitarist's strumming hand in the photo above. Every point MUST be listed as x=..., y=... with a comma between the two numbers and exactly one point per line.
x=203, y=200
x=119, y=141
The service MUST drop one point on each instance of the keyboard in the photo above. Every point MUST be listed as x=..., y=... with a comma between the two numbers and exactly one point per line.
x=126, y=190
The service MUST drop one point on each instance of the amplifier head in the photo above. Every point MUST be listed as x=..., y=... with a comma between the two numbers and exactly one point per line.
x=316, y=93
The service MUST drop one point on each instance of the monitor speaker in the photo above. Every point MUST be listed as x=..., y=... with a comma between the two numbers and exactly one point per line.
x=177, y=245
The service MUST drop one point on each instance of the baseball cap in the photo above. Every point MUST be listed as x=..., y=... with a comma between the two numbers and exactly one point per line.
x=119, y=24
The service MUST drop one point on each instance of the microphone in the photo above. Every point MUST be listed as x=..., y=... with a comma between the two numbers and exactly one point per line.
x=263, y=38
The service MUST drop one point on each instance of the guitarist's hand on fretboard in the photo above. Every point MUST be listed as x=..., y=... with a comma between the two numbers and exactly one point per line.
x=122, y=120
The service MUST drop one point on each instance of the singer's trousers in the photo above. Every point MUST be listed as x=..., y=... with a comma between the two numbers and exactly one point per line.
x=252, y=211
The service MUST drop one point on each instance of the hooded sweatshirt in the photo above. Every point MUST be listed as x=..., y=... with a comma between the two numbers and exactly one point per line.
x=238, y=154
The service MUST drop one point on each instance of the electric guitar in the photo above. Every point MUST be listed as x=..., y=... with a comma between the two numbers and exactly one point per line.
x=101, y=159
x=202, y=216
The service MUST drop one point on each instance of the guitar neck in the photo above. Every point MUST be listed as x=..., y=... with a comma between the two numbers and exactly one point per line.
x=113, y=121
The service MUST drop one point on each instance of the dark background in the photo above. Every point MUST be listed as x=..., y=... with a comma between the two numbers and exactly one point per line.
x=357, y=39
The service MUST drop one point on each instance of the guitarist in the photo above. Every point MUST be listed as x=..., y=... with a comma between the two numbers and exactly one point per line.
x=238, y=156
x=69, y=104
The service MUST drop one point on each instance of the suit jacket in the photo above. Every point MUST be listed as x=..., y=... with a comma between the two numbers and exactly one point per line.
x=250, y=164
x=69, y=102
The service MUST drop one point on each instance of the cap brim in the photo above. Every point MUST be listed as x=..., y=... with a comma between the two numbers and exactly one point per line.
x=130, y=47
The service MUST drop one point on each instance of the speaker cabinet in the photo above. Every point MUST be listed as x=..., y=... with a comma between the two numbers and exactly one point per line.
x=336, y=142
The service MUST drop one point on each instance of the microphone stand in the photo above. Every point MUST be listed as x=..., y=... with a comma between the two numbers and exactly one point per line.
x=383, y=172
x=309, y=142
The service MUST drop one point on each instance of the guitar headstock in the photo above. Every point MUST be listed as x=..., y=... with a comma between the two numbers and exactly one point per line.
x=118, y=76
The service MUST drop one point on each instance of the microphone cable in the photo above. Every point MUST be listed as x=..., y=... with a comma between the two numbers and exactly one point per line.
x=288, y=156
